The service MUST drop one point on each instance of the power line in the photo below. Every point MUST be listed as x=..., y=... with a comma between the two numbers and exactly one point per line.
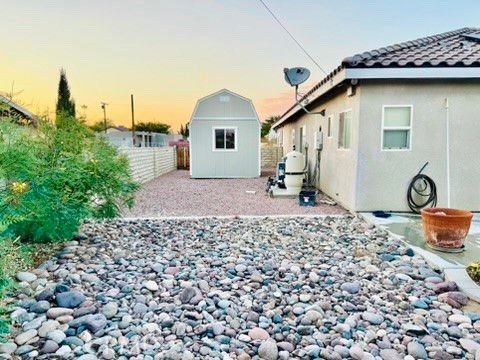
x=293, y=37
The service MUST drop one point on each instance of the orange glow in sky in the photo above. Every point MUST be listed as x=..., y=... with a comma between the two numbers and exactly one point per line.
x=171, y=53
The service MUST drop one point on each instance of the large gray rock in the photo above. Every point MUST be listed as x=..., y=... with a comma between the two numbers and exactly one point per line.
x=92, y=322
x=417, y=350
x=26, y=336
x=268, y=350
x=372, y=318
x=70, y=299
x=8, y=348
x=26, y=276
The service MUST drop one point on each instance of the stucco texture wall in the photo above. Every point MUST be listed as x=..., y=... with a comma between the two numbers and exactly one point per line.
x=337, y=166
x=383, y=176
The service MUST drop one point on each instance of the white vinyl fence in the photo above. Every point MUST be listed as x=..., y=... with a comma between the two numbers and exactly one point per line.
x=149, y=163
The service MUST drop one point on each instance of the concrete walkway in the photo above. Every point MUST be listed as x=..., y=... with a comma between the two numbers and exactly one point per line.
x=176, y=194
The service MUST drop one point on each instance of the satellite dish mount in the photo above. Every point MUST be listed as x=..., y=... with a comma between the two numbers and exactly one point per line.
x=294, y=77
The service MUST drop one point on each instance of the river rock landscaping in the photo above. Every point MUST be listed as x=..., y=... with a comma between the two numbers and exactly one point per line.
x=239, y=288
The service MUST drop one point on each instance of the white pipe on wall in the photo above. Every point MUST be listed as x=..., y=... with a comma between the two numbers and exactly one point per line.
x=447, y=113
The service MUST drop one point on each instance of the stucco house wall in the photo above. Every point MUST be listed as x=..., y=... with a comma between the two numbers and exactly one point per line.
x=437, y=77
x=383, y=176
x=367, y=178
x=338, y=167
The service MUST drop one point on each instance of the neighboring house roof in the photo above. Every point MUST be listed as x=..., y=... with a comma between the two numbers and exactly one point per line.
x=412, y=59
x=119, y=128
x=17, y=109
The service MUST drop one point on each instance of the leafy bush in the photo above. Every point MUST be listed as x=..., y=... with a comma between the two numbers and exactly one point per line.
x=56, y=176
x=14, y=257
x=474, y=271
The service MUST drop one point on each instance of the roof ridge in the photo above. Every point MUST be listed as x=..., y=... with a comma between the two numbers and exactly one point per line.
x=366, y=55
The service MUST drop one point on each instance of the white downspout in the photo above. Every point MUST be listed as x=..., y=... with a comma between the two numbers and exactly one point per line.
x=447, y=112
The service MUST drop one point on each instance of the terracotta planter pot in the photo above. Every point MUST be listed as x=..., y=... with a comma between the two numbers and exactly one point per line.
x=446, y=228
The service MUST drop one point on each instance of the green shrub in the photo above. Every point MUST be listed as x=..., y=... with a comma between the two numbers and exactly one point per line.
x=54, y=176
x=474, y=271
x=14, y=257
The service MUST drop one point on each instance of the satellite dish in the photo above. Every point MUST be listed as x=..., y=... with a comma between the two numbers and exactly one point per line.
x=296, y=76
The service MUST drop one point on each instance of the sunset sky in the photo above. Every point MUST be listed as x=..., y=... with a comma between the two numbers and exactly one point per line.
x=169, y=53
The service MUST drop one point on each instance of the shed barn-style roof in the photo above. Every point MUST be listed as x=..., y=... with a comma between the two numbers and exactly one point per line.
x=224, y=104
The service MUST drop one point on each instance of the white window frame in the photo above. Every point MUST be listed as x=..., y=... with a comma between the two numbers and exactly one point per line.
x=234, y=128
x=409, y=128
x=338, y=133
x=329, y=126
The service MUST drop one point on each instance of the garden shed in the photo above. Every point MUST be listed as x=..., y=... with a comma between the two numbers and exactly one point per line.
x=224, y=137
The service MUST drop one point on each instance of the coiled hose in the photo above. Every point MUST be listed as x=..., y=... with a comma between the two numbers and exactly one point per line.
x=422, y=192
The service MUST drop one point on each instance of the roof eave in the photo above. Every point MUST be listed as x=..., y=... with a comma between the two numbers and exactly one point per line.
x=384, y=73
x=327, y=86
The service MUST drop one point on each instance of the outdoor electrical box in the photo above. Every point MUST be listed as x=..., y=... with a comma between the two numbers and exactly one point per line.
x=318, y=139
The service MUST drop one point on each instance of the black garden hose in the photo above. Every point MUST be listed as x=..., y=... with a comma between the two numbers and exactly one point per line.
x=422, y=192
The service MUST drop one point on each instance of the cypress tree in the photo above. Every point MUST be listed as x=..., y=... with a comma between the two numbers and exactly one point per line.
x=65, y=105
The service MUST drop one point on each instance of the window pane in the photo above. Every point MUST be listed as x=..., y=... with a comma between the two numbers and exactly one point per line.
x=341, y=121
x=230, y=139
x=219, y=139
x=329, y=127
x=397, y=116
x=344, y=130
x=347, y=130
x=396, y=139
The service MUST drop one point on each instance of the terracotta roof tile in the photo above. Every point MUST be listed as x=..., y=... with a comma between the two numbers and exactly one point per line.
x=454, y=48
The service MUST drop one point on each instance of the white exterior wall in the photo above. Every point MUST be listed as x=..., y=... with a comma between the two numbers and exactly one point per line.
x=337, y=166
x=383, y=176
x=214, y=112
x=367, y=178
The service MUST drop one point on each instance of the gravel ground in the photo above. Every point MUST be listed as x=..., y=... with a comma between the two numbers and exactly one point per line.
x=176, y=194
x=248, y=288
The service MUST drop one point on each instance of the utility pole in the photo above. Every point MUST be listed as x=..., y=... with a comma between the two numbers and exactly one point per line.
x=104, y=107
x=133, y=119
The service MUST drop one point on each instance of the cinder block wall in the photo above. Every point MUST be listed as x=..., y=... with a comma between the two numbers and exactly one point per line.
x=271, y=155
x=149, y=163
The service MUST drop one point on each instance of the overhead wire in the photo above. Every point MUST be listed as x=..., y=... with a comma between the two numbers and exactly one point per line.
x=293, y=37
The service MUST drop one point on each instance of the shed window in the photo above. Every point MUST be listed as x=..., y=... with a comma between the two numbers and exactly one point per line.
x=225, y=139
x=397, y=127
x=344, y=130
